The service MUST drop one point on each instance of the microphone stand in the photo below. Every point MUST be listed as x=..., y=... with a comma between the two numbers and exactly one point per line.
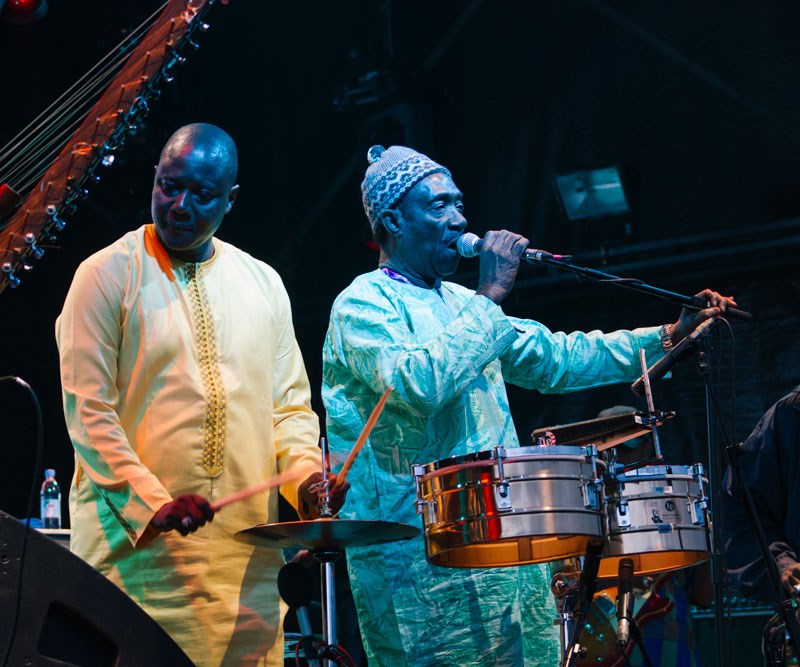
x=636, y=633
x=787, y=607
x=718, y=568
x=686, y=301
x=691, y=303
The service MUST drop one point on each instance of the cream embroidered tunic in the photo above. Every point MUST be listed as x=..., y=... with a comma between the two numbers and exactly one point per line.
x=184, y=378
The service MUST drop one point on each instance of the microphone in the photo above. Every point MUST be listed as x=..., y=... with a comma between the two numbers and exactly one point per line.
x=469, y=245
x=624, y=601
x=294, y=588
x=677, y=354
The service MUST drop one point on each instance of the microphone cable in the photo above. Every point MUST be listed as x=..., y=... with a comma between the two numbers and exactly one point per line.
x=30, y=511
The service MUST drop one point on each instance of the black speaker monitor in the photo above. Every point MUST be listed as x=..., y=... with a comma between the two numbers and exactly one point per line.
x=70, y=614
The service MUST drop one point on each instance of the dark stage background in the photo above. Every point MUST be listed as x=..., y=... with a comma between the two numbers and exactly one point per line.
x=696, y=103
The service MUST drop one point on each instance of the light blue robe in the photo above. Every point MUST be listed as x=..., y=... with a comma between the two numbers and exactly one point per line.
x=446, y=354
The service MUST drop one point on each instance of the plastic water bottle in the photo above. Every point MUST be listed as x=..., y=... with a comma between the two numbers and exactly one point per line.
x=50, y=500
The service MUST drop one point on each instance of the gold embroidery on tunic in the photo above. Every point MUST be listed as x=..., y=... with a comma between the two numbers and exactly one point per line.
x=214, y=426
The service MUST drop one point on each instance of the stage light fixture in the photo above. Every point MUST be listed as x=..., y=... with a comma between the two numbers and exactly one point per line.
x=590, y=194
x=22, y=12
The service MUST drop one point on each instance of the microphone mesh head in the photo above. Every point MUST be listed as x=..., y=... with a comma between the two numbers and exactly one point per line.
x=467, y=245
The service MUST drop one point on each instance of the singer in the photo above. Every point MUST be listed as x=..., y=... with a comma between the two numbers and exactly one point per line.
x=446, y=351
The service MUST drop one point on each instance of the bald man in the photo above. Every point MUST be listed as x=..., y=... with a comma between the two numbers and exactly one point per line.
x=183, y=383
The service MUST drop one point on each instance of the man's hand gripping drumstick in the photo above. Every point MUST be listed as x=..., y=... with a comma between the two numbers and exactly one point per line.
x=333, y=489
x=189, y=512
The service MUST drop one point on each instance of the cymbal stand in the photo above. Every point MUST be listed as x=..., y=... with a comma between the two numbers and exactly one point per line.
x=327, y=559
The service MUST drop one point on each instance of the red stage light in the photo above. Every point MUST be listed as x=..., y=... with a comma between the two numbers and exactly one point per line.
x=22, y=11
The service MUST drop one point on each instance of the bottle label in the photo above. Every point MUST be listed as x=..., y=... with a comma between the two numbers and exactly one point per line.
x=51, y=512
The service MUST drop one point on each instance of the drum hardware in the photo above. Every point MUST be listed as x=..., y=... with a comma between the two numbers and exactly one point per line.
x=648, y=393
x=501, y=489
x=658, y=516
x=602, y=432
x=511, y=506
x=623, y=516
x=575, y=608
x=422, y=505
x=699, y=508
x=592, y=491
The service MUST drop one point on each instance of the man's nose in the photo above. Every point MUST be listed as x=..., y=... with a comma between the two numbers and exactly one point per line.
x=181, y=201
x=458, y=221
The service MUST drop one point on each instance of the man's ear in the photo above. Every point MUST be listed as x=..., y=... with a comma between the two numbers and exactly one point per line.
x=232, y=194
x=390, y=219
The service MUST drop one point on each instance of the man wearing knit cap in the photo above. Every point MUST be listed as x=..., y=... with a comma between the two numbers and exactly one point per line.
x=446, y=352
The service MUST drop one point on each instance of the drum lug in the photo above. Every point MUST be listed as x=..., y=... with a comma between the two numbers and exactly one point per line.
x=623, y=517
x=500, y=456
x=591, y=494
x=418, y=471
x=699, y=508
x=698, y=511
x=502, y=494
x=591, y=490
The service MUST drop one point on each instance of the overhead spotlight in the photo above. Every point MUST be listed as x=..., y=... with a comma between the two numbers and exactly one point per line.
x=22, y=12
x=591, y=194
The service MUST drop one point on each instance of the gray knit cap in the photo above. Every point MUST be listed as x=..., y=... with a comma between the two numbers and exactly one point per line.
x=391, y=173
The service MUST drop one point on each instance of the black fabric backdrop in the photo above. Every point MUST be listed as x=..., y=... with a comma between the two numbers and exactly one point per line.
x=694, y=102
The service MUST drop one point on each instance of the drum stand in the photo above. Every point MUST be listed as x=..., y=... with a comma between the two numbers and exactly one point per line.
x=575, y=608
x=573, y=621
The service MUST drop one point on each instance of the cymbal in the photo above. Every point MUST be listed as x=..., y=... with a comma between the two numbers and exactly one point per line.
x=326, y=533
x=604, y=432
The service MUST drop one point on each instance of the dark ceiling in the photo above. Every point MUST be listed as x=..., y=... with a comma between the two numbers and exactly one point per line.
x=695, y=102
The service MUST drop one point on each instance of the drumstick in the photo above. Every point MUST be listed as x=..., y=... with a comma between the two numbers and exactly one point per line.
x=362, y=438
x=277, y=480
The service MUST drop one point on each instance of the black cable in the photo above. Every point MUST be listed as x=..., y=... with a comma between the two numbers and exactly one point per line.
x=31, y=507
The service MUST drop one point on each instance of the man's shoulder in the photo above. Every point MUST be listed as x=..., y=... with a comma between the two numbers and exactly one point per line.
x=371, y=282
x=243, y=258
x=118, y=251
x=457, y=289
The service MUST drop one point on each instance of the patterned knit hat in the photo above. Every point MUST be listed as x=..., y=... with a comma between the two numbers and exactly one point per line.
x=390, y=175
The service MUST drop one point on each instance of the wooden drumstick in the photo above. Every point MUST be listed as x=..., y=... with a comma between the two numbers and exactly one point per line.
x=362, y=438
x=277, y=480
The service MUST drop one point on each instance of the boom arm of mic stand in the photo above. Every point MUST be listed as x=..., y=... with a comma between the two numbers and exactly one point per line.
x=690, y=302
